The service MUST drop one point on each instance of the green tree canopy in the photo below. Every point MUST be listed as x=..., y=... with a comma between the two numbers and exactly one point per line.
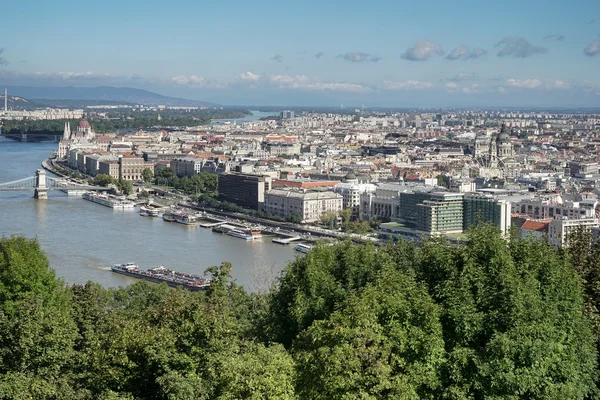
x=148, y=175
x=103, y=180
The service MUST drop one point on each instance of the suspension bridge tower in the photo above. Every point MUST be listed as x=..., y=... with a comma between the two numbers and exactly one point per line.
x=41, y=190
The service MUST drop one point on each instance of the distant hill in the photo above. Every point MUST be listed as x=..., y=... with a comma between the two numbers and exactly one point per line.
x=19, y=103
x=99, y=94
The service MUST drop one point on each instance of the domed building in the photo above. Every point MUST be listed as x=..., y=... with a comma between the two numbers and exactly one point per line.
x=351, y=188
x=499, y=159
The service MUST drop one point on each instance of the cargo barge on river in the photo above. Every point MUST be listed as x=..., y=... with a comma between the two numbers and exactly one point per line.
x=162, y=274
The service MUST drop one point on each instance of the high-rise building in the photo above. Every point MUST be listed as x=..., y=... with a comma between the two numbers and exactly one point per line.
x=287, y=114
x=246, y=190
x=484, y=208
x=442, y=213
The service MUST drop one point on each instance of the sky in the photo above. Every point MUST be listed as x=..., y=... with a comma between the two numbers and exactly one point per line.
x=430, y=53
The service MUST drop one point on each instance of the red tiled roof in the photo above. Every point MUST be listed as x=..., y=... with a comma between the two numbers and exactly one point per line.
x=532, y=225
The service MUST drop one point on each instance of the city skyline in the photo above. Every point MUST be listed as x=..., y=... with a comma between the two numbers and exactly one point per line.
x=377, y=54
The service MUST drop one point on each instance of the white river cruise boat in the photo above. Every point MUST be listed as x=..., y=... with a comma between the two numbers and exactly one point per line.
x=245, y=234
x=108, y=200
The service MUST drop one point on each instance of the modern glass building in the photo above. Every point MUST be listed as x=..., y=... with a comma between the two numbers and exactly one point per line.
x=484, y=208
x=441, y=213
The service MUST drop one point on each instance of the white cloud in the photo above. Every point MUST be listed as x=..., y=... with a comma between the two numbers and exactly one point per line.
x=592, y=49
x=463, y=52
x=527, y=83
x=304, y=83
x=473, y=88
x=538, y=84
x=422, y=51
x=191, y=80
x=464, y=76
x=408, y=85
x=73, y=75
x=558, y=84
x=359, y=56
x=249, y=77
x=519, y=47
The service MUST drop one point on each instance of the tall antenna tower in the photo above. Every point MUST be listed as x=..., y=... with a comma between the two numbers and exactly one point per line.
x=5, y=100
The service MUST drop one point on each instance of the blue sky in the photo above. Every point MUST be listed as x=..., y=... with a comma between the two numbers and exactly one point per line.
x=378, y=53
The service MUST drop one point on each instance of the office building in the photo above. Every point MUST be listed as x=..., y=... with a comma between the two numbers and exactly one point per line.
x=309, y=206
x=245, y=190
x=441, y=213
x=484, y=208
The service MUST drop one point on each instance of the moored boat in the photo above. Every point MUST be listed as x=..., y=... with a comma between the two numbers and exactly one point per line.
x=185, y=219
x=108, y=200
x=303, y=248
x=148, y=212
x=245, y=234
x=169, y=217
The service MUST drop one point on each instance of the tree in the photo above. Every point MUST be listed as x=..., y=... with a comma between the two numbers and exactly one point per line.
x=126, y=187
x=103, y=180
x=24, y=271
x=384, y=342
x=148, y=175
x=512, y=315
x=255, y=371
x=313, y=286
x=329, y=219
x=166, y=176
x=295, y=218
x=346, y=215
x=37, y=332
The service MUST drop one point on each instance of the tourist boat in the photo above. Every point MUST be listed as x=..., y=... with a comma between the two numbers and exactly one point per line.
x=162, y=274
x=303, y=248
x=169, y=217
x=185, y=219
x=108, y=200
x=148, y=212
x=245, y=234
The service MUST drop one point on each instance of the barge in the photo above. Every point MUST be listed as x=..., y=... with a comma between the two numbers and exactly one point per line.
x=162, y=274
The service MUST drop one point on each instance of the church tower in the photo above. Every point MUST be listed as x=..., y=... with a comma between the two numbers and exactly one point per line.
x=493, y=152
x=66, y=133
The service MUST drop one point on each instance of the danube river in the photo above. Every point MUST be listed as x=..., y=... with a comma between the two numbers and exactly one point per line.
x=82, y=239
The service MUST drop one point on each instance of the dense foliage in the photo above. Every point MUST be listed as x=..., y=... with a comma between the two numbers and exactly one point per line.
x=488, y=320
x=124, y=120
x=204, y=182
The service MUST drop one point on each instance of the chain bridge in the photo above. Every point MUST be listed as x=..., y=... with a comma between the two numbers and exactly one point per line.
x=40, y=184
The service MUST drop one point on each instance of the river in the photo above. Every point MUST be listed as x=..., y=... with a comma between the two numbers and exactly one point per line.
x=82, y=239
x=256, y=115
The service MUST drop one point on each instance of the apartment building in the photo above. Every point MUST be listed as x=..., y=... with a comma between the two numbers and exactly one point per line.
x=131, y=167
x=310, y=206
x=109, y=167
x=561, y=228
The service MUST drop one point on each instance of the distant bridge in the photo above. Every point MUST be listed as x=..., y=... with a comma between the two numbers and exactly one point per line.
x=34, y=136
x=40, y=184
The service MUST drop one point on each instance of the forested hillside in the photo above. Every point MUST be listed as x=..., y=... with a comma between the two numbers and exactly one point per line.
x=493, y=319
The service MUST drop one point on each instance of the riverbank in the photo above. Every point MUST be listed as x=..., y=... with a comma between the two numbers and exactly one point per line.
x=306, y=229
